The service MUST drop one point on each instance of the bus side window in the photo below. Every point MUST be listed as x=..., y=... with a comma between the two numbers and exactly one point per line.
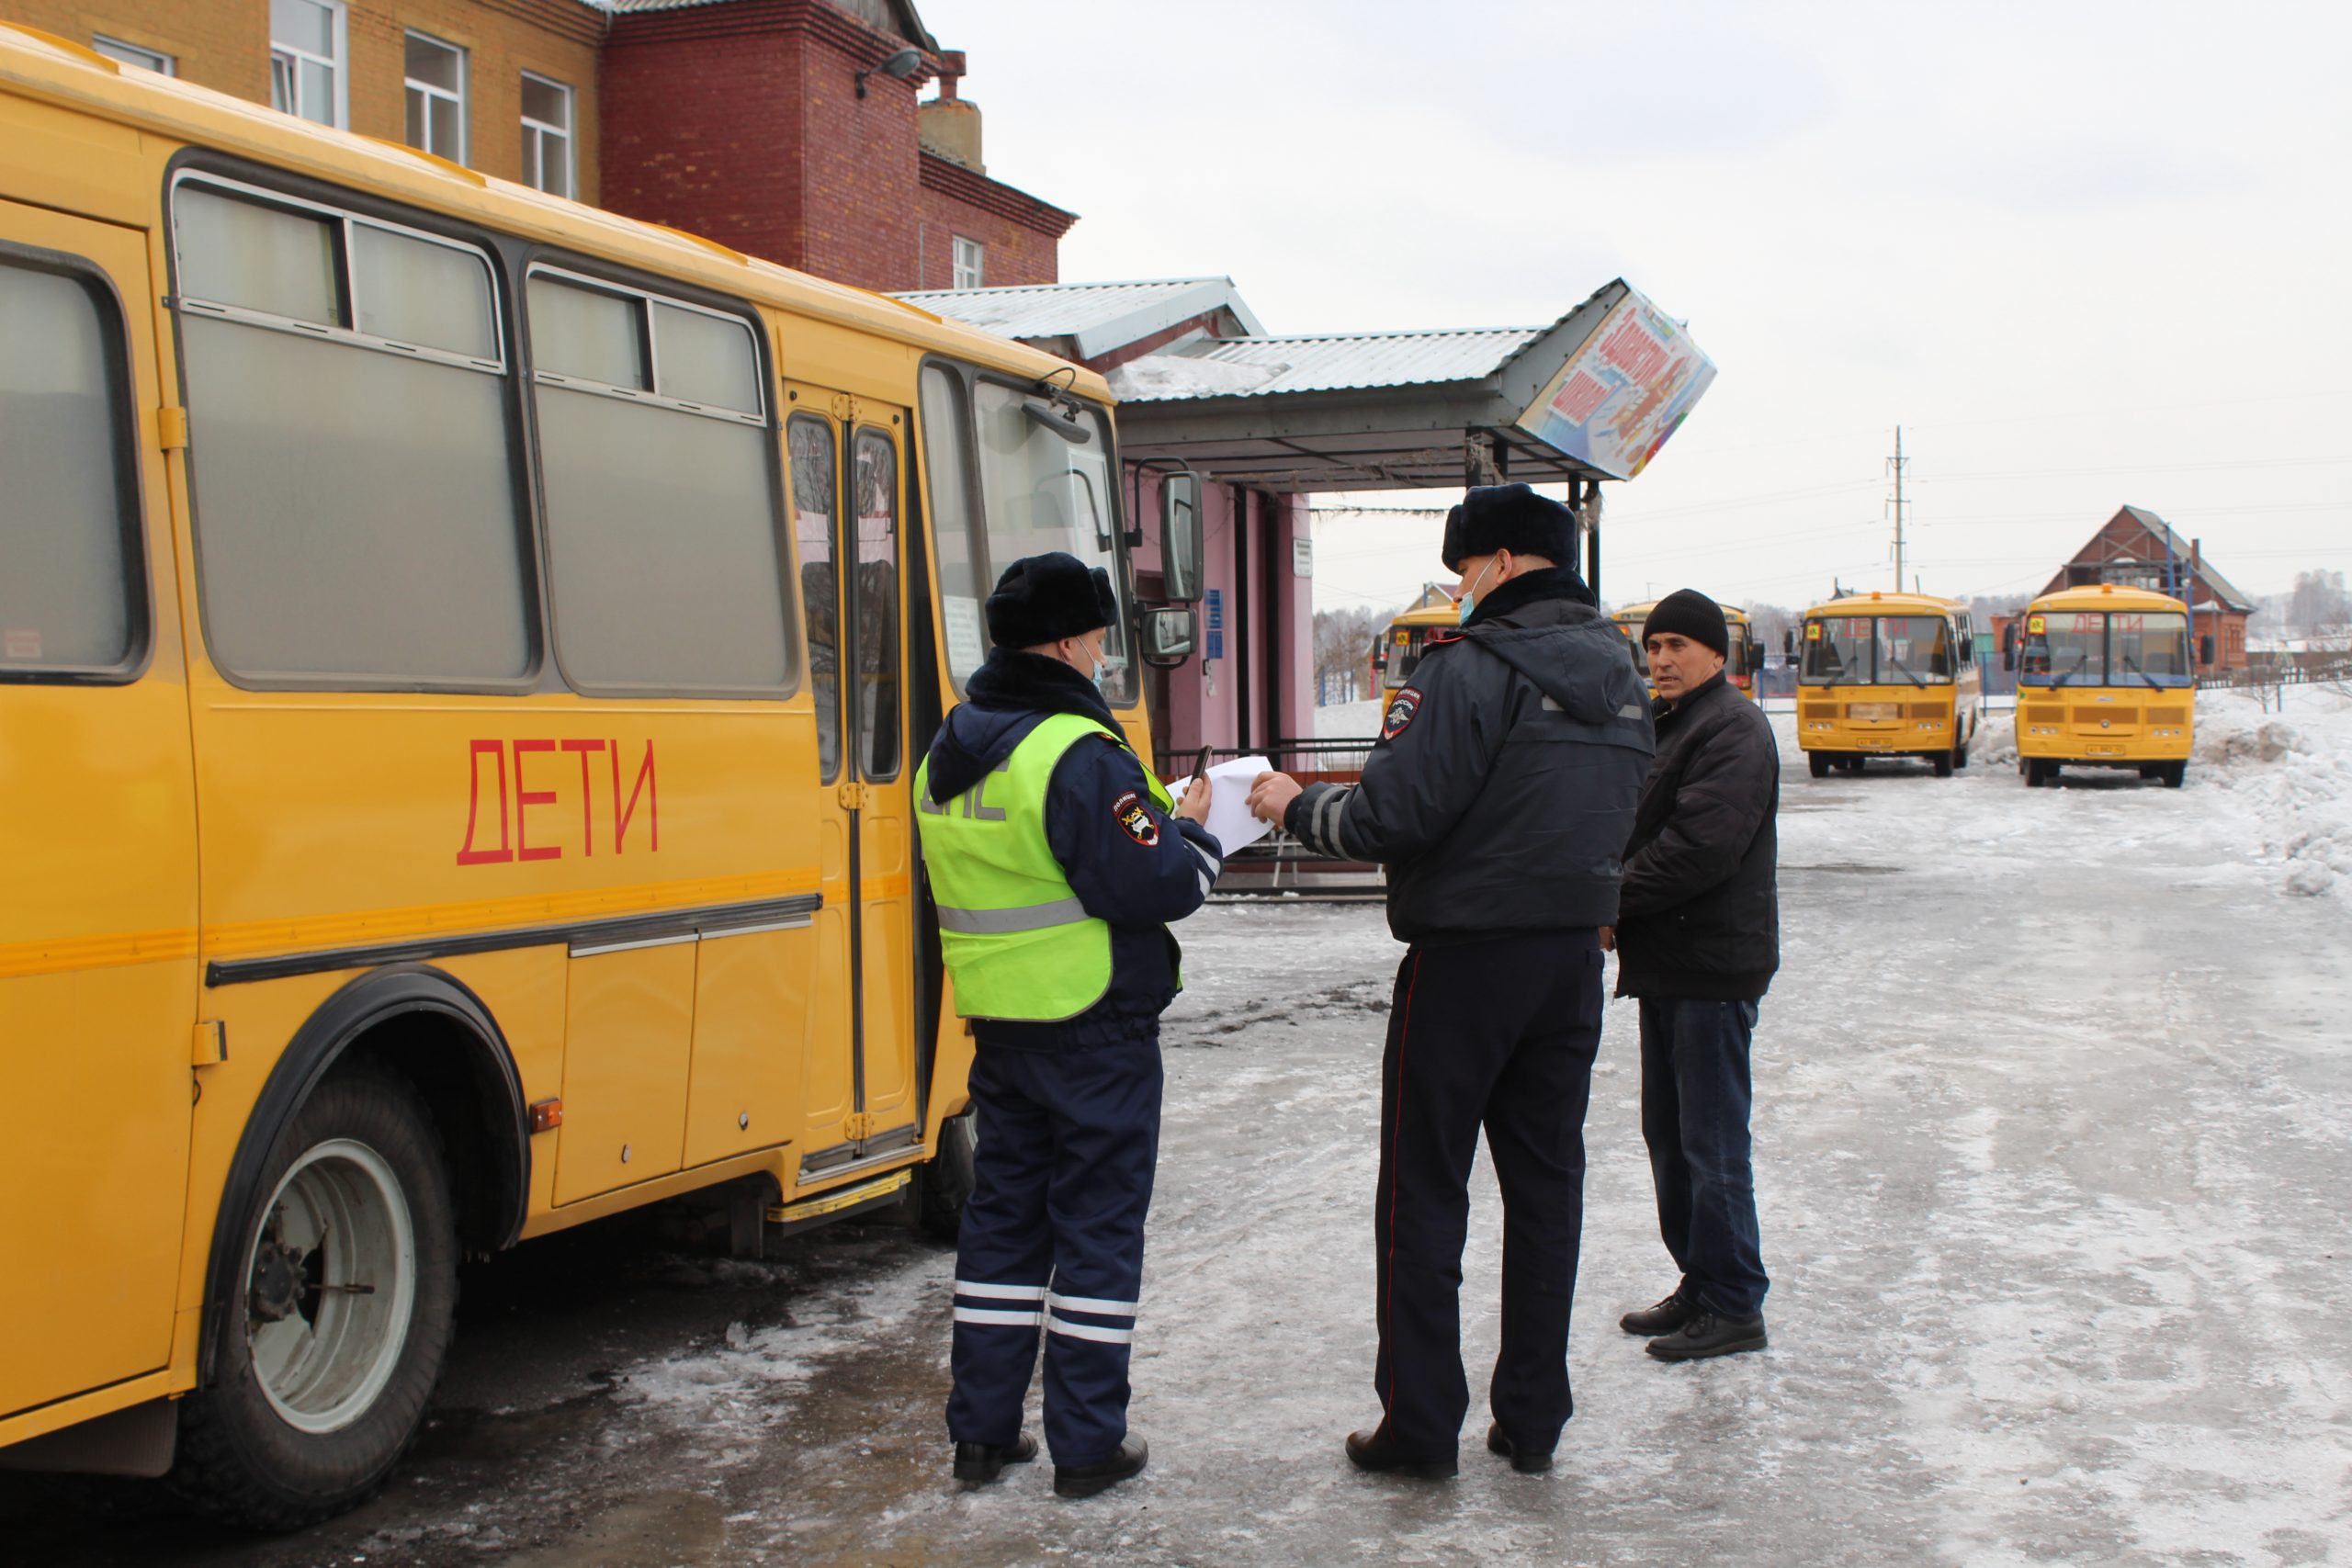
x=71, y=603
x=816, y=530
x=354, y=497
x=877, y=580
x=667, y=566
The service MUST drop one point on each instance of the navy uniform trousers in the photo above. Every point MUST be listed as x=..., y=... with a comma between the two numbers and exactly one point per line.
x=1499, y=1033
x=1052, y=1238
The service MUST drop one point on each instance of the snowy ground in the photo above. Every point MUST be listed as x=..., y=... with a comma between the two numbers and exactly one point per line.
x=2052, y=1158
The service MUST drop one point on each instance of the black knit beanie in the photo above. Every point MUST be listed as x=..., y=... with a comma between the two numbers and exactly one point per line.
x=1042, y=599
x=1692, y=615
x=1509, y=517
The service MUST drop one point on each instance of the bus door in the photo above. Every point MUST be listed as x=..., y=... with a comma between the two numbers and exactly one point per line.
x=98, y=824
x=848, y=495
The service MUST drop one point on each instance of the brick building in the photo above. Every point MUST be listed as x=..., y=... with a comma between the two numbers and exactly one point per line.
x=787, y=129
x=2136, y=548
x=505, y=86
x=783, y=128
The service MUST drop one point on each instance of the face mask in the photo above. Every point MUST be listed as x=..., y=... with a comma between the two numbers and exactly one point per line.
x=1102, y=671
x=1469, y=599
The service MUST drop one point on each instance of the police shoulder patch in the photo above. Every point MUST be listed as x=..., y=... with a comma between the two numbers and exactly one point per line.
x=1402, y=707
x=1134, y=819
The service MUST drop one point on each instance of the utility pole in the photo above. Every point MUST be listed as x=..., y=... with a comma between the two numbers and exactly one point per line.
x=1896, y=466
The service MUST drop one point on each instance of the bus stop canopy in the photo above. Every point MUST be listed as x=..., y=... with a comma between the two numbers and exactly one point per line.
x=1591, y=396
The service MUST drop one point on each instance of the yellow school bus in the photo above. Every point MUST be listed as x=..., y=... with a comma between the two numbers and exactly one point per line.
x=2104, y=681
x=461, y=654
x=1397, y=652
x=1741, y=663
x=1887, y=675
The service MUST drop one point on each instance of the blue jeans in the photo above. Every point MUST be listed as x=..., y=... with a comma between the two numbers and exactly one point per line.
x=1695, y=1101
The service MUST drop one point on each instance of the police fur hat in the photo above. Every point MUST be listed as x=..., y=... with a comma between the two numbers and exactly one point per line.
x=1691, y=613
x=1042, y=599
x=1509, y=517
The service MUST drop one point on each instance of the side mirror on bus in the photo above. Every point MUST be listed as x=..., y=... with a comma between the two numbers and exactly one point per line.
x=1755, y=658
x=2205, y=649
x=1168, y=636
x=1788, y=644
x=1180, y=544
x=2009, y=645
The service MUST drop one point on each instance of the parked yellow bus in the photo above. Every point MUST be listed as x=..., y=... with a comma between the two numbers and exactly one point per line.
x=1887, y=675
x=1397, y=652
x=1741, y=663
x=2104, y=681
x=460, y=653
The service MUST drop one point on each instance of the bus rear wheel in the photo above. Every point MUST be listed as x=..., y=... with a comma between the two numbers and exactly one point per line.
x=944, y=1184
x=1819, y=763
x=346, y=1291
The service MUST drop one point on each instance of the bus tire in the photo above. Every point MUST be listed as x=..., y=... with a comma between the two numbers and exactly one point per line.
x=943, y=1183
x=317, y=1394
x=1818, y=762
x=1941, y=762
x=2175, y=775
x=1960, y=755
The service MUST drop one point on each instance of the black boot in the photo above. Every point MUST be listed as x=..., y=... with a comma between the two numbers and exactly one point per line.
x=1527, y=1461
x=1664, y=1318
x=1378, y=1451
x=1709, y=1334
x=1086, y=1480
x=978, y=1463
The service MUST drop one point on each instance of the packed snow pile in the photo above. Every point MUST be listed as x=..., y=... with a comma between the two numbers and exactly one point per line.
x=1348, y=721
x=2291, y=771
x=1158, y=376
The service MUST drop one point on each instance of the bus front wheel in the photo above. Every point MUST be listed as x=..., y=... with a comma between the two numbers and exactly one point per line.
x=1941, y=762
x=2175, y=775
x=345, y=1293
x=1818, y=762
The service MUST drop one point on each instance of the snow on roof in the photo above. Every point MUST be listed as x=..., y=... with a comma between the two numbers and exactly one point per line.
x=1336, y=361
x=1098, y=317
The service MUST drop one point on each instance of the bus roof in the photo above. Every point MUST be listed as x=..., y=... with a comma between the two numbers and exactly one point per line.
x=2107, y=596
x=114, y=185
x=1433, y=616
x=1878, y=602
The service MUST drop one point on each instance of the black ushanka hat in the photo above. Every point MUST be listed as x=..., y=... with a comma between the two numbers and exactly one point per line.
x=1042, y=599
x=1509, y=517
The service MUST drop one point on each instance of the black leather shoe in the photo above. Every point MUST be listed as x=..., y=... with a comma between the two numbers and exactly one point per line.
x=1376, y=1450
x=1086, y=1480
x=1527, y=1461
x=1665, y=1317
x=1709, y=1334
x=977, y=1463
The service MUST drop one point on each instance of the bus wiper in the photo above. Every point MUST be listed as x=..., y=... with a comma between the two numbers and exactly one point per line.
x=1906, y=669
x=2151, y=679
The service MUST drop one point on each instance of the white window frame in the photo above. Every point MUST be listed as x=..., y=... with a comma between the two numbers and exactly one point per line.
x=294, y=57
x=969, y=265
x=153, y=59
x=535, y=133
x=433, y=92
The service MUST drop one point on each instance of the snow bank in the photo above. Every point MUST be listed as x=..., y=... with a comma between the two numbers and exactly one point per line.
x=2291, y=772
x=1348, y=721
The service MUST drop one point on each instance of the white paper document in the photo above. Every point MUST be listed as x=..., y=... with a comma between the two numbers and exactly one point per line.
x=1229, y=823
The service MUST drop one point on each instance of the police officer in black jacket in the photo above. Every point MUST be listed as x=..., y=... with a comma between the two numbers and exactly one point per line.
x=1698, y=938
x=1498, y=797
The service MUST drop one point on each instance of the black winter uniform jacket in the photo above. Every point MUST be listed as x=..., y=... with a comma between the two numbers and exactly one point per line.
x=1136, y=886
x=1503, y=785
x=1700, y=917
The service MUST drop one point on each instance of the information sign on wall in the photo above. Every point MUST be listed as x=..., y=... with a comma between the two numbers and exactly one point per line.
x=1302, y=558
x=1215, y=599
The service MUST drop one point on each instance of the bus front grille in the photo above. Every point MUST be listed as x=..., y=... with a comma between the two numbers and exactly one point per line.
x=2107, y=716
x=2167, y=715
x=2045, y=716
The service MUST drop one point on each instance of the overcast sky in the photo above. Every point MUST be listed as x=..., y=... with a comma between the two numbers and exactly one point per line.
x=2085, y=255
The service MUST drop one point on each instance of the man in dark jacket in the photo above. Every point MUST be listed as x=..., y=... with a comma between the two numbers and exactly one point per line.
x=1698, y=938
x=1056, y=860
x=1498, y=797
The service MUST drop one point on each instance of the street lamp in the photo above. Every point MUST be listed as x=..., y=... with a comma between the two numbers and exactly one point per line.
x=903, y=65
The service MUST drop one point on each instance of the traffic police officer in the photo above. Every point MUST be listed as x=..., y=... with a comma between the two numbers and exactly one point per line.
x=1498, y=797
x=1055, y=859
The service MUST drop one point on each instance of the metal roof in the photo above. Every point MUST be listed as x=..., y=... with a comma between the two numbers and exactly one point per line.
x=1339, y=361
x=1096, y=318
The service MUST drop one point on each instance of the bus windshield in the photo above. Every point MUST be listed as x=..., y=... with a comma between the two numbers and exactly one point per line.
x=1045, y=485
x=1885, y=650
x=2097, y=648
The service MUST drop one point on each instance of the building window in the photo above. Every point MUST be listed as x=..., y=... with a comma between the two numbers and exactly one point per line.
x=969, y=254
x=546, y=135
x=132, y=54
x=436, y=97
x=306, y=42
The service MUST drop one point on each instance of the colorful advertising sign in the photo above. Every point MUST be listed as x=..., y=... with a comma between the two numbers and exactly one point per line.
x=1621, y=394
